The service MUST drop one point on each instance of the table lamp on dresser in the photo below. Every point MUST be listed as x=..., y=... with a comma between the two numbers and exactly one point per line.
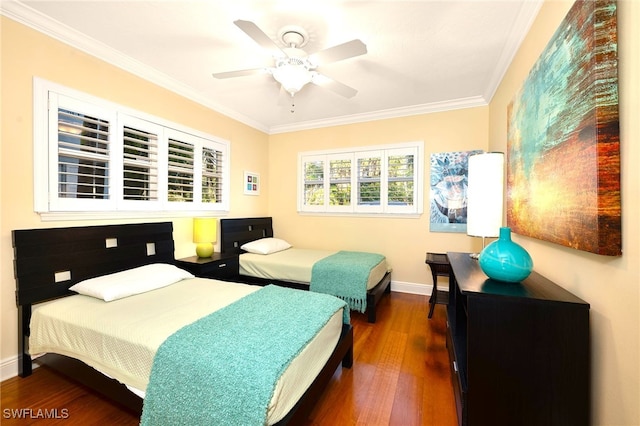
x=484, y=195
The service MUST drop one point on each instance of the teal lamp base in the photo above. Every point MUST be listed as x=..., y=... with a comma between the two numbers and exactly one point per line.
x=505, y=260
x=204, y=250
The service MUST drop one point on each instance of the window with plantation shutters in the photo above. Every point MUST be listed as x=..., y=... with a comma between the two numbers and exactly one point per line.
x=400, y=175
x=96, y=159
x=313, y=193
x=83, y=155
x=340, y=181
x=212, y=175
x=370, y=180
x=180, y=176
x=140, y=165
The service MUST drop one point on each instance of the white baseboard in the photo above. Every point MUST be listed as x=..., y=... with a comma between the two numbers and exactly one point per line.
x=413, y=288
x=9, y=366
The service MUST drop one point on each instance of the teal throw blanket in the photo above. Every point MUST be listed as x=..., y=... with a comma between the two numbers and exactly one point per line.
x=345, y=275
x=223, y=368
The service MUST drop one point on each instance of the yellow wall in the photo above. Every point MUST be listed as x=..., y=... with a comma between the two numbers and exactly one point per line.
x=403, y=240
x=609, y=284
x=27, y=53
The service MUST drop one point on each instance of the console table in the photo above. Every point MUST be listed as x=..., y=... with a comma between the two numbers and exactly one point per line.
x=519, y=351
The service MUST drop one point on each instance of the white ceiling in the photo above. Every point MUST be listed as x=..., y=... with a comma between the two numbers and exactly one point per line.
x=423, y=56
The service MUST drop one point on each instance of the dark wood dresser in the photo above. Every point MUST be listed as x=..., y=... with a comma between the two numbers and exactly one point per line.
x=519, y=351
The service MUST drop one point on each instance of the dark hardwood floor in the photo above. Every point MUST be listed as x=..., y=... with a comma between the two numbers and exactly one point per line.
x=400, y=376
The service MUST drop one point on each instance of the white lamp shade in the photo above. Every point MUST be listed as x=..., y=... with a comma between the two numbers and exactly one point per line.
x=204, y=229
x=292, y=77
x=485, y=194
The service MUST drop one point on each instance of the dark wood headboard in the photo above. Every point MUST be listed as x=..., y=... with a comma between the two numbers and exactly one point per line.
x=235, y=232
x=49, y=261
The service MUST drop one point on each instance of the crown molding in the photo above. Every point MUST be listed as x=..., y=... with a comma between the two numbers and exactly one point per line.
x=429, y=108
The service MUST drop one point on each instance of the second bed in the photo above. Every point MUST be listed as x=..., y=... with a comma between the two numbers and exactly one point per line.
x=264, y=259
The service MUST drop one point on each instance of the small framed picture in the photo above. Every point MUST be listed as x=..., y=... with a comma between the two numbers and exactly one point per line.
x=251, y=183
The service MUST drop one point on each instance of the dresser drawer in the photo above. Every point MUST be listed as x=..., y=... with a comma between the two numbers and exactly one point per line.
x=218, y=266
x=223, y=269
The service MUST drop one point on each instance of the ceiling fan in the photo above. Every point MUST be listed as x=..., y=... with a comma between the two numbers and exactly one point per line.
x=293, y=67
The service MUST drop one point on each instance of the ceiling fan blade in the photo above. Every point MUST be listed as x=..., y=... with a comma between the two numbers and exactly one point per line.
x=253, y=31
x=238, y=73
x=342, y=51
x=335, y=86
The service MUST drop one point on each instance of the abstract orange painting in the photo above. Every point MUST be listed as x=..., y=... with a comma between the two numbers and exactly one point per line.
x=563, y=150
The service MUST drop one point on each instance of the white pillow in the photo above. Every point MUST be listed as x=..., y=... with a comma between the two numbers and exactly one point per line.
x=132, y=281
x=266, y=246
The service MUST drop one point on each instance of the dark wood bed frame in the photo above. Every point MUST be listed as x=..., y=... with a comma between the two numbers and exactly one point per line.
x=236, y=232
x=49, y=261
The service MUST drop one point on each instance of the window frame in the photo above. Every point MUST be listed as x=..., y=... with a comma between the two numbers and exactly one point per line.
x=48, y=97
x=146, y=126
x=302, y=183
x=52, y=149
x=329, y=181
x=415, y=148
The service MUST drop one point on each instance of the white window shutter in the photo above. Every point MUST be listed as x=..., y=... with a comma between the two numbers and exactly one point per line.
x=80, y=155
x=385, y=179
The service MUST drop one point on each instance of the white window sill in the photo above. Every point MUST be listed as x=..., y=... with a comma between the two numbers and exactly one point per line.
x=74, y=216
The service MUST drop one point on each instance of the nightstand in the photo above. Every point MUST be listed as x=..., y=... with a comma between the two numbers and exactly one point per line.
x=439, y=264
x=219, y=266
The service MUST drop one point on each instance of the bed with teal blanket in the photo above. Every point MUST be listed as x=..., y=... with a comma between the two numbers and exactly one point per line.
x=261, y=346
x=360, y=278
x=48, y=262
x=345, y=274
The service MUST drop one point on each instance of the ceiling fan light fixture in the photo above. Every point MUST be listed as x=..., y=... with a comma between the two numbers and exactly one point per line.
x=292, y=75
x=294, y=68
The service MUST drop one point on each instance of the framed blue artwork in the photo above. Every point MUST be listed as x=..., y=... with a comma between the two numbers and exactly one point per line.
x=448, y=191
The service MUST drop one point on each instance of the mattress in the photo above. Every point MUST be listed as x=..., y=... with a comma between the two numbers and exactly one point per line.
x=295, y=265
x=120, y=338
